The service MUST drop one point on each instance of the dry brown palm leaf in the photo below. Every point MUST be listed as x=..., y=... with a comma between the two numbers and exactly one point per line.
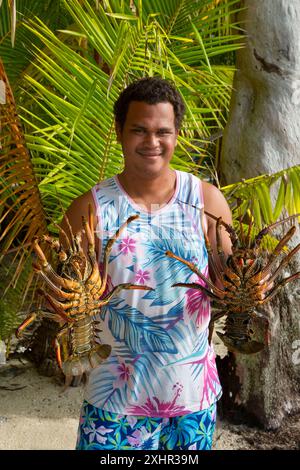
x=21, y=216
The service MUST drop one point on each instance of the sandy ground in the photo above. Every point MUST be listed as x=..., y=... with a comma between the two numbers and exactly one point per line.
x=36, y=414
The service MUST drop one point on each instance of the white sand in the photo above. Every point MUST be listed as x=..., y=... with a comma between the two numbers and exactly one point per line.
x=42, y=416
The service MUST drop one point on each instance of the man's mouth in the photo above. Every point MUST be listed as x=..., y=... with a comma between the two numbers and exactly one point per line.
x=150, y=154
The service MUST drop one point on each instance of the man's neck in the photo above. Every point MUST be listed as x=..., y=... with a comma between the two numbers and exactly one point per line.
x=149, y=191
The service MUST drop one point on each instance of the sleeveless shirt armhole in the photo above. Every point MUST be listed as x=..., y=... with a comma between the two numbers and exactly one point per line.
x=202, y=206
x=98, y=220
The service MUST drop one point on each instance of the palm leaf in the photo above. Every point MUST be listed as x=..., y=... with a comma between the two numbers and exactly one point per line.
x=68, y=90
x=12, y=301
x=72, y=78
x=265, y=197
x=63, y=76
x=13, y=17
x=22, y=214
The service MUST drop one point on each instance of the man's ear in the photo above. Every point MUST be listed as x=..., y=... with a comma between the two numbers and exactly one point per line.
x=177, y=134
x=118, y=131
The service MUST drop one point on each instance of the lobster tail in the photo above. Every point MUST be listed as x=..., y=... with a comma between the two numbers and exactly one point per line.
x=81, y=364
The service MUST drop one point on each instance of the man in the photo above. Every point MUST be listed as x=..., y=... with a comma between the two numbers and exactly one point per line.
x=159, y=387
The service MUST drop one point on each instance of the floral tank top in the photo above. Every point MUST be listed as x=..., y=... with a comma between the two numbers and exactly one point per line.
x=161, y=364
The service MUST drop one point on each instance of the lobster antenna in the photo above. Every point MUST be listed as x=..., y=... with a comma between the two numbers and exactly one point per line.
x=202, y=220
x=228, y=227
x=71, y=239
x=91, y=222
x=248, y=237
x=61, y=230
x=267, y=229
x=230, y=230
x=241, y=223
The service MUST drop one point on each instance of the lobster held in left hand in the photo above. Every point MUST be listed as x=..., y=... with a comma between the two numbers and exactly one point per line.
x=248, y=282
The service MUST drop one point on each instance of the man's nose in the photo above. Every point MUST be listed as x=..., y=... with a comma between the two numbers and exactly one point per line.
x=151, y=139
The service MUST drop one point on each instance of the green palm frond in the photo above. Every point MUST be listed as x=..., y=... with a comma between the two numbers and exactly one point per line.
x=8, y=19
x=68, y=79
x=13, y=17
x=266, y=197
x=12, y=301
x=22, y=214
x=70, y=128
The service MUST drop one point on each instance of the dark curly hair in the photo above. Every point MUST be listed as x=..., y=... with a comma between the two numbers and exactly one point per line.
x=151, y=90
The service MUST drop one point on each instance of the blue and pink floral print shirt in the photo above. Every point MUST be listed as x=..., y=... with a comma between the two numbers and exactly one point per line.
x=161, y=364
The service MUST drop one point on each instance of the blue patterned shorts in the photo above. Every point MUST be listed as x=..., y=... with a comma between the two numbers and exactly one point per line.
x=103, y=430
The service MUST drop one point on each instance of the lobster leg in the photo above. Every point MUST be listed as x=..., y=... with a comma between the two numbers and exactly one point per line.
x=57, y=290
x=279, y=286
x=89, y=231
x=219, y=244
x=247, y=241
x=216, y=290
x=266, y=230
x=272, y=259
x=28, y=320
x=60, y=281
x=117, y=289
x=95, y=277
x=284, y=262
x=214, y=317
x=229, y=228
x=194, y=285
x=252, y=269
x=212, y=263
x=67, y=241
x=57, y=347
x=57, y=306
x=109, y=247
x=32, y=317
x=52, y=242
x=234, y=272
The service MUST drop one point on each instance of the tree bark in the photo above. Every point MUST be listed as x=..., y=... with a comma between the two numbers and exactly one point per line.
x=262, y=137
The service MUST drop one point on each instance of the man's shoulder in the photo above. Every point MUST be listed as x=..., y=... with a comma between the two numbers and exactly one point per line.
x=188, y=176
x=88, y=197
x=210, y=190
x=84, y=197
x=215, y=202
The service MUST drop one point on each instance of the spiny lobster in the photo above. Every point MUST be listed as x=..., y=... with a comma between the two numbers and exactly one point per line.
x=248, y=281
x=76, y=296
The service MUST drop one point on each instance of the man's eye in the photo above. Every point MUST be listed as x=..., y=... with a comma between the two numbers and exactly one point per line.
x=138, y=131
x=164, y=132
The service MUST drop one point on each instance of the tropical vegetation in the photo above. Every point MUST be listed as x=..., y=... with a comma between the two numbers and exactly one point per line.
x=66, y=62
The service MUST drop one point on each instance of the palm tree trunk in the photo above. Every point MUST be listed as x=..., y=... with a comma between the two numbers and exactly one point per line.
x=262, y=136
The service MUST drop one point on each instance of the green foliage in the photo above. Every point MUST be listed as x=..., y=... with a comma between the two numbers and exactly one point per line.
x=13, y=16
x=71, y=60
x=69, y=117
x=266, y=197
x=12, y=300
x=262, y=201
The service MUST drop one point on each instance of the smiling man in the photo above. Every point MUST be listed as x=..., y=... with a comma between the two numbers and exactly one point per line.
x=159, y=387
x=148, y=138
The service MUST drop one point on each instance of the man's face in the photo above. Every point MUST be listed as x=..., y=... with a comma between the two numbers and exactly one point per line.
x=148, y=138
